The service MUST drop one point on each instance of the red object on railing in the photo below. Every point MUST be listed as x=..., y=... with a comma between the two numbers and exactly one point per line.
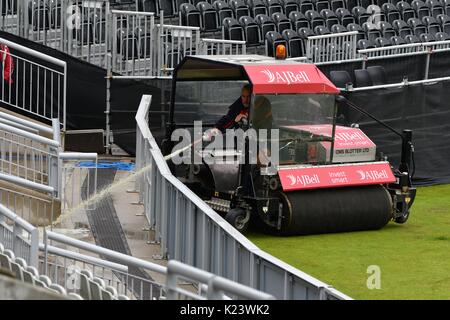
x=7, y=63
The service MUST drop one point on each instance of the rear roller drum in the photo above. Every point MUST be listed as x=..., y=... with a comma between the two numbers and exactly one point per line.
x=335, y=210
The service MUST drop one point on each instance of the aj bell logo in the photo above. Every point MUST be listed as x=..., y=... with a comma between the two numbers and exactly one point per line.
x=346, y=136
x=304, y=180
x=372, y=175
x=286, y=77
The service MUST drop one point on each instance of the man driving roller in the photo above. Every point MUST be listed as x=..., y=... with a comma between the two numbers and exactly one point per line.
x=236, y=112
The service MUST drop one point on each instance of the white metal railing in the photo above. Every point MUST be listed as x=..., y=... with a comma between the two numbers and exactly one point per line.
x=221, y=47
x=332, y=47
x=193, y=233
x=74, y=27
x=133, y=43
x=31, y=160
x=175, y=43
x=38, y=87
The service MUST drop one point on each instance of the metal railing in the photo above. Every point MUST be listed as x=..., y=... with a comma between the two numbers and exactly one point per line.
x=133, y=39
x=38, y=87
x=221, y=47
x=332, y=48
x=74, y=27
x=26, y=154
x=175, y=42
x=191, y=232
x=29, y=160
x=19, y=236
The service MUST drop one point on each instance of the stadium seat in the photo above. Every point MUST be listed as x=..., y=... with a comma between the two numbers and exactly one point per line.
x=304, y=33
x=223, y=11
x=417, y=26
x=350, y=4
x=273, y=6
x=381, y=3
x=338, y=28
x=330, y=18
x=364, y=44
x=39, y=15
x=57, y=289
x=376, y=13
x=432, y=25
x=362, y=78
x=298, y=20
x=321, y=30
x=251, y=31
x=127, y=45
x=364, y=3
x=391, y=12
x=232, y=30
x=239, y=8
x=306, y=5
x=381, y=42
x=412, y=39
x=371, y=32
x=265, y=24
x=377, y=75
x=336, y=4
x=360, y=15
x=74, y=296
x=444, y=21
x=446, y=4
x=281, y=21
x=289, y=6
x=143, y=42
x=427, y=37
x=340, y=78
x=294, y=43
x=397, y=40
x=435, y=6
x=99, y=28
x=314, y=18
x=273, y=38
x=387, y=30
x=319, y=5
x=85, y=280
x=356, y=27
x=405, y=10
x=209, y=21
x=148, y=6
x=402, y=28
x=442, y=36
x=345, y=17
x=55, y=13
x=189, y=15
x=168, y=6
x=257, y=7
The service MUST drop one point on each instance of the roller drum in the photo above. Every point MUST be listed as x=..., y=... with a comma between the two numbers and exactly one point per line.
x=335, y=210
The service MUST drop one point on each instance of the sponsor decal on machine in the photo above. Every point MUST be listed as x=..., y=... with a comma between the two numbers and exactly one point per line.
x=299, y=178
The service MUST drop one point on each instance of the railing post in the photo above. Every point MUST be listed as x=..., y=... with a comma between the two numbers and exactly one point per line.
x=34, y=249
x=427, y=62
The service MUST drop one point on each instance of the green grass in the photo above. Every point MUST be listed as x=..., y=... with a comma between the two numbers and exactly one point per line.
x=414, y=258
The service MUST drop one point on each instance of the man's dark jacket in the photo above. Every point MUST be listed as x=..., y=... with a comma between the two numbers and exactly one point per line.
x=227, y=121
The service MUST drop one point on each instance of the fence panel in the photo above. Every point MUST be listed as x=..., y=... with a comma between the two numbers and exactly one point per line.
x=221, y=47
x=33, y=82
x=332, y=48
x=133, y=38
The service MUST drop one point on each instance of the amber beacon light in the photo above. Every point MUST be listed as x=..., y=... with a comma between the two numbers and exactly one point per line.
x=280, y=52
